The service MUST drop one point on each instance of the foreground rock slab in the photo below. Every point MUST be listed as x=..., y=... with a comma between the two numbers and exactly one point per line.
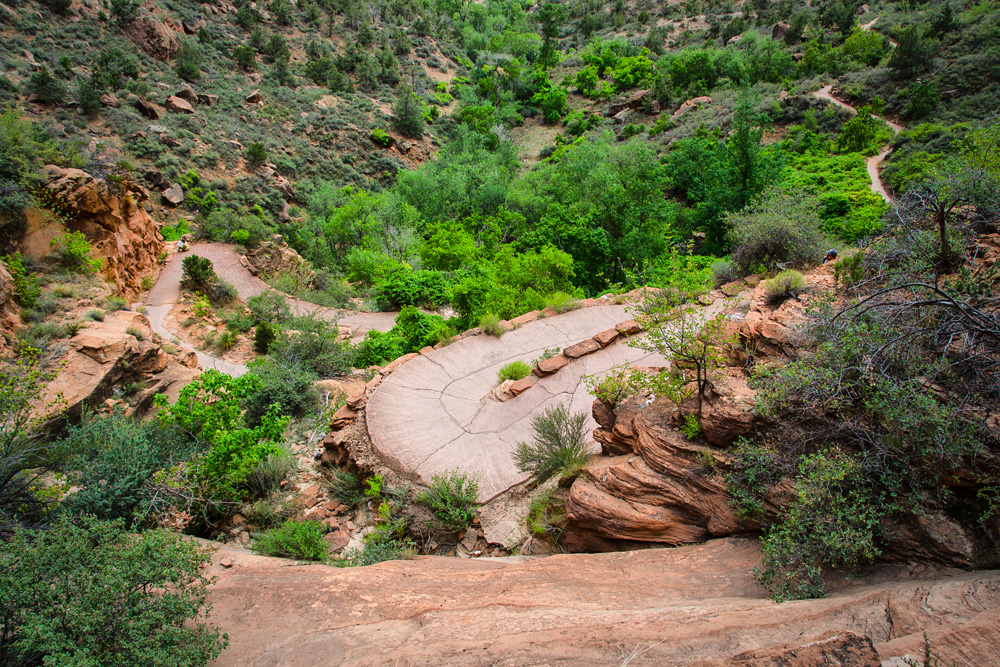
x=695, y=605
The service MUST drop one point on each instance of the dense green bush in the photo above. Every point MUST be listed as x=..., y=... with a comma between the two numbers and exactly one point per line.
x=781, y=228
x=92, y=594
x=293, y=539
x=515, y=370
x=46, y=87
x=407, y=113
x=285, y=390
x=112, y=461
x=559, y=447
x=832, y=521
x=453, y=497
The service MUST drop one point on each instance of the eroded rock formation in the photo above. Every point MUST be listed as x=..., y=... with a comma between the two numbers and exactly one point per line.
x=120, y=231
x=8, y=310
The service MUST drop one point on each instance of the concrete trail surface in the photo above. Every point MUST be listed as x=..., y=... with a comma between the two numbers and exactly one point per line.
x=873, y=162
x=433, y=414
x=226, y=262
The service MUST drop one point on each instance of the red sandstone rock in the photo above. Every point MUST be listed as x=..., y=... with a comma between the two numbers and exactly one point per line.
x=522, y=385
x=607, y=337
x=550, y=365
x=583, y=347
x=527, y=317
x=628, y=327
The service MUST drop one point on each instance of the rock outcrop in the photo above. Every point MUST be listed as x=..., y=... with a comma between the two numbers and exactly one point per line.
x=152, y=36
x=120, y=231
x=8, y=310
x=695, y=605
x=652, y=484
x=275, y=258
x=103, y=357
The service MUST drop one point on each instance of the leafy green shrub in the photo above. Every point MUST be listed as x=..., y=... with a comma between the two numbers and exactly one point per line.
x=453, y=498
x=515, y=370
x=94, y=594
x=780, y=229
x=198, y=273
x=189, y=61
x=833, y=520
x=73, y=251
x=490, y=324
x=559, y=447
x=173, y=233
x=381, y=137
x=407, y=113
x=135, y=333
x=111, y=461
x=25, y=283
x=785, y=285
x=268, y=513
x=754, y=470
x=95, y=315
x=294, y=539
x=285, y=389
x=691, y=428
x=210, y=410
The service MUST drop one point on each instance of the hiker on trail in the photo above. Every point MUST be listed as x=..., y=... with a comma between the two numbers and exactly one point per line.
x=830, y=256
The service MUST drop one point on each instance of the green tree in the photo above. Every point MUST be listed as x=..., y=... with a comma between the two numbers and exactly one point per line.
x=113, y=68
x=46, y=87
x=282, y=11
x=88, y=96
x=94, y=595
x=256, y=154
x=914, y=52
x=245, y=57
x=551, y=16
x=408, y=114
x=189, y=61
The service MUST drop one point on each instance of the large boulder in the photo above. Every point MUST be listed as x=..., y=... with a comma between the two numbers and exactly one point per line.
x=178, y=105
x=152, y=36
x=121, y=233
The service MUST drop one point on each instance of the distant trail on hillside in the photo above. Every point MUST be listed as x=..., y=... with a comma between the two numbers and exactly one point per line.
x=228, y=265
x=873, y=162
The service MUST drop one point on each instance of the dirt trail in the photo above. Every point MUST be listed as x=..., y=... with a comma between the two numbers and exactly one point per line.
x=873, y=162
x=226, y=262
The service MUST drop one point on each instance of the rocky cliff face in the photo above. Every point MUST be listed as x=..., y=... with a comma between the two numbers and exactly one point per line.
x=8, y=311
x=652, y=484
x=114, y=222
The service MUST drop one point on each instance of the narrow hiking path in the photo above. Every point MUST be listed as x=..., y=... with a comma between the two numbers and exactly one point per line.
x=434, y=412
x=873, y=162
x=166, y=292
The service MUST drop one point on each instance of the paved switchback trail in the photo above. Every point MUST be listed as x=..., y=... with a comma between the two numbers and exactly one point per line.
x=433, y=413
x=873, y=162
x=226, y=262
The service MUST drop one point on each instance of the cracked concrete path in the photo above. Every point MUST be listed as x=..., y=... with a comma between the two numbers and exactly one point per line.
x=871, y=163
x=226, y=261
x=433, y=414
